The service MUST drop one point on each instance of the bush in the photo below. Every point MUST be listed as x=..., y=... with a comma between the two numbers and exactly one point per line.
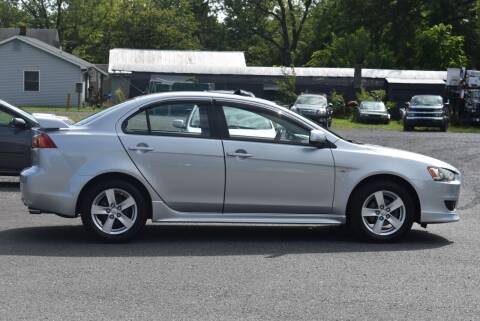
x=374, y=95
x=338, y=104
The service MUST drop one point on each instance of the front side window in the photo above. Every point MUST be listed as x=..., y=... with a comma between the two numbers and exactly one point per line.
x=5, y=118
x=246, y=123
x=182, y=119
x=31, y=81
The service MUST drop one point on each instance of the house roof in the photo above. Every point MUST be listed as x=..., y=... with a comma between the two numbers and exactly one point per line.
x=49, y=36
x=233, y=63
x=83, y=64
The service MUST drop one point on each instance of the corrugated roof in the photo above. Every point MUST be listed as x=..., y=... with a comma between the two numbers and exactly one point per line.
x=233, y=63
x=54, y=51
x=415, y=81
x=158, y=58
x=49, y=36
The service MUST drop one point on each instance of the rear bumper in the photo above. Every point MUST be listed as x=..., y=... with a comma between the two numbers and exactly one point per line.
x=42, y=193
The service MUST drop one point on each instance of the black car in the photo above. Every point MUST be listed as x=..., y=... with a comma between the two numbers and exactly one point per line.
x=372, y=112
x=16, y=136
x=426, y=111
x=314, y=107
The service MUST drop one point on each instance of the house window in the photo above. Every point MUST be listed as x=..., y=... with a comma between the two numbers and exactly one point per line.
x=31, y=81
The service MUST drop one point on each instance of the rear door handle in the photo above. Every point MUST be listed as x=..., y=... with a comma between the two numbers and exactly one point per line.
x=141, y=148
x=240, y=153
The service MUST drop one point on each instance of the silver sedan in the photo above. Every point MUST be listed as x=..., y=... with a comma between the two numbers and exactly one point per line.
x=221, y=158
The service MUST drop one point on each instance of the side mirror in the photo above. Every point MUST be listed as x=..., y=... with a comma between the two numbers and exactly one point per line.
x=179, y=123
x=19, y=123
x=317, y=138
x=330, y=105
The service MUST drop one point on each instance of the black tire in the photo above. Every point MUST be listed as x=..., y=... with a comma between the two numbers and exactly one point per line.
x=362, y=194
x=444, y=127
x=407, y=128
x=94, y=191
x=329, y=123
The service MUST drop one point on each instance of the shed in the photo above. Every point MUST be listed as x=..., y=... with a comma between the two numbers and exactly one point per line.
x=401, y=90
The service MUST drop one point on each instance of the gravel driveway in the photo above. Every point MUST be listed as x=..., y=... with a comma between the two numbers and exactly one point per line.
x=50, y=270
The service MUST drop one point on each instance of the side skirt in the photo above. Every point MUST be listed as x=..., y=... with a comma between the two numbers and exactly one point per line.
x=163, y=214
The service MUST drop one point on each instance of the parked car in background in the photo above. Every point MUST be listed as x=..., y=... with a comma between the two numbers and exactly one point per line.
x=372, y=112
x=16, y=136
x=139, y=163
x=426, y=111
x=314, y=107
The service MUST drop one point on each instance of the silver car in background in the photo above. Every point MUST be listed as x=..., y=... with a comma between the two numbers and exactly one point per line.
x=194, y=157
x=314, y=107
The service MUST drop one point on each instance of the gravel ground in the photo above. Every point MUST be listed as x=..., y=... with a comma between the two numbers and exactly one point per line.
x=49, y=270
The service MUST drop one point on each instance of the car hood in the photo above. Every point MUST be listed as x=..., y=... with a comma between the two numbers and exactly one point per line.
x=51, y=121
x=426, y=106
x=302, y=106
x=398, y=153
x=374, y=112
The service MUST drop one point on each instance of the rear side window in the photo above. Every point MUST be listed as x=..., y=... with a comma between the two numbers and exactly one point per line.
x=177, y=119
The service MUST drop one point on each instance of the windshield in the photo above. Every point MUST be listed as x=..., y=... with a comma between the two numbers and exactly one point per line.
x=426, y=101
x=311, y=100
x=373, y=105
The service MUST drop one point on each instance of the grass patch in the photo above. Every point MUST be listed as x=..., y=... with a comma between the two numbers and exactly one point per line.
x=340, y=123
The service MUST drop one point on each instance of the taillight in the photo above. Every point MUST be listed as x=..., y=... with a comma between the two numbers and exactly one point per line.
x=42, y=140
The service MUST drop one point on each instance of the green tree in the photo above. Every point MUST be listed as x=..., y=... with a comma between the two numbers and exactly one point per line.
x=278, y=23
x=438, y=48
x=352, y=49
x=10, y=14
x=287, y=86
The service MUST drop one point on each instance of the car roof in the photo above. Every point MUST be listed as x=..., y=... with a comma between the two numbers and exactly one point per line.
x=203, y=94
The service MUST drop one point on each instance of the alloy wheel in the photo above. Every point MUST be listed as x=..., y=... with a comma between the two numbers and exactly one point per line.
x=114, y=211
x=383, y=213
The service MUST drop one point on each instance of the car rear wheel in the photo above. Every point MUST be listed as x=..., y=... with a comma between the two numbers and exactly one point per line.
x=114, y=211
x=382, y=211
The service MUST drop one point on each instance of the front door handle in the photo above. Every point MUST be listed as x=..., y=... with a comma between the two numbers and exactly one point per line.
x=239, y=153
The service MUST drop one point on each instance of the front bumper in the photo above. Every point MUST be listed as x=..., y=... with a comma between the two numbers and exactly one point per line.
x=433, y=196
x=425, y=121
x=373, y=117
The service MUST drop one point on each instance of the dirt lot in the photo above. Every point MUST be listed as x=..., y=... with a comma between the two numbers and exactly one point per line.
x=49, y=269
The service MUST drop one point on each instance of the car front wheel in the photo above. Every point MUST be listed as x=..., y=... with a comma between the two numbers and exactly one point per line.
x=114, y=211
x=382, y=211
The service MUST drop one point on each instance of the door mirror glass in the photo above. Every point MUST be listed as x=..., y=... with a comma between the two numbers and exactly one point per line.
x=179, y=123
x=18, y=123
x=318, y=138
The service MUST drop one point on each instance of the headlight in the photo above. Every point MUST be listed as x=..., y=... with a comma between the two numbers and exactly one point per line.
x=441, y=174
x=321, y=110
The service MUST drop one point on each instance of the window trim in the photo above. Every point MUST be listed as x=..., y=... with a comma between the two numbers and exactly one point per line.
x=206, y=103
x=220, y=103
x=31, y=91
